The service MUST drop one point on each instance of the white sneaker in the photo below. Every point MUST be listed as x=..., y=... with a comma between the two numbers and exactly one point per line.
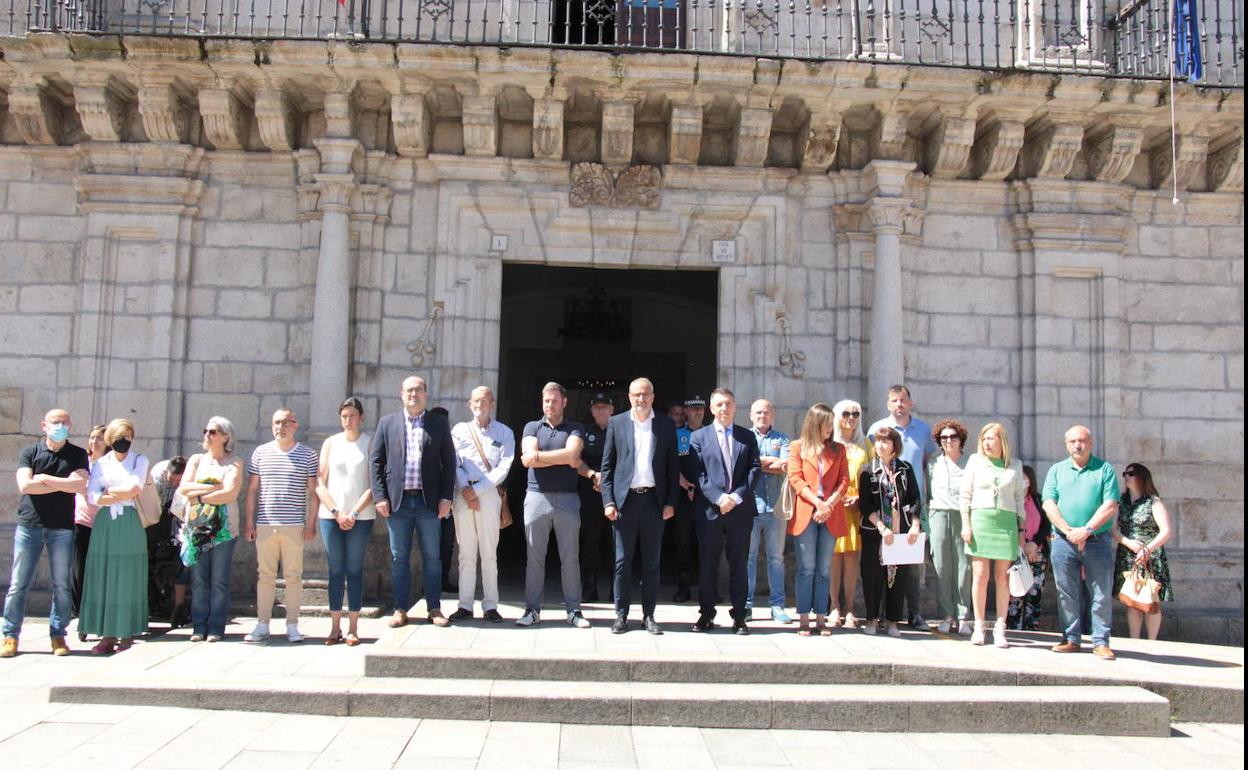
x=197, y=637
x=529, y=618
x=945, y=625
x=894, y=631
x=292, y=632
x=964, y=628
x=977, y=638
x=258, y=634
x=871, y=627
x=213, y=638
x=998, y=635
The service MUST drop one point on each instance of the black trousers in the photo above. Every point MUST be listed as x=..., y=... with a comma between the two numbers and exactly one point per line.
x=875, y=581
x=680, y=529
x=730, y=533
x=640, y=522
x=82, y=543
x=445, y=544
x=593, y=529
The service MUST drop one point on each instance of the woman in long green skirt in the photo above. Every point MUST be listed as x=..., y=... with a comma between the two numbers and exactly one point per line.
x=114, y=598
x=993, y=493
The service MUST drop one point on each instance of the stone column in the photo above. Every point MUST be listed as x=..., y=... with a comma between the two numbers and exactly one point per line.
x=331, y=314
x=886, y=212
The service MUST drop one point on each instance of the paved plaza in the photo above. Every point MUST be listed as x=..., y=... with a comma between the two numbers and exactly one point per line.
x=38, y=733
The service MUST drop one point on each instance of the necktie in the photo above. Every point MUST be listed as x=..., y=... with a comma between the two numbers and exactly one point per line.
x=726, y=451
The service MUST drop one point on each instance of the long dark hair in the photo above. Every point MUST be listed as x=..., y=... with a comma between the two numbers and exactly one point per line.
x=1145, y=476
x=1033, y=488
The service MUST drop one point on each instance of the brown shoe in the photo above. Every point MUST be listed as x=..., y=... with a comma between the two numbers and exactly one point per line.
x=398, y=619
x=438, y=619
x=1103, y=652
x=1066, y=646
x=59, y=647
x=8, y=648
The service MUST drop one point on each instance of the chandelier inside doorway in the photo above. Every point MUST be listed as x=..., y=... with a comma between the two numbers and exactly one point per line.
x=597, y=317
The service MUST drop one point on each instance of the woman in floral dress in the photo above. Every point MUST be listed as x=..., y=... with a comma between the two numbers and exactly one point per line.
x=1142, y=529
x=1025, y=610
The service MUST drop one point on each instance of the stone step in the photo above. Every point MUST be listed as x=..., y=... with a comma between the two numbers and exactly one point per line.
x=1099, y=710
x=1190, y=701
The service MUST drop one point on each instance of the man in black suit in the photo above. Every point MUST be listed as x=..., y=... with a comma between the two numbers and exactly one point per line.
x=412, y=474
x=640, y=476
x=725, y=460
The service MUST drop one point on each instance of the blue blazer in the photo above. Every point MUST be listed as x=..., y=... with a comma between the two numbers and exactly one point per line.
x=617, y=460
x=706, y=462
x=388, y=459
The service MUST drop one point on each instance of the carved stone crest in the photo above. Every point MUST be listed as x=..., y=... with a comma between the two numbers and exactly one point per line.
x=594, y=184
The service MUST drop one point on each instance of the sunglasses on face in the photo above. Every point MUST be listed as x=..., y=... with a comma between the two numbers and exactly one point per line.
x=848, y=415
x=949, y=437
x=1128, y=474
x=210, y=431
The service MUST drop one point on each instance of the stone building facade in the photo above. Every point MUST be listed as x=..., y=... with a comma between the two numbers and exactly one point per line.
x=197, y=227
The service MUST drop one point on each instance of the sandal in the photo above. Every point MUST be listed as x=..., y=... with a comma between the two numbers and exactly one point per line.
x=821, y=626
x=803, y=629
x=834, y=619
x=106, y=646
x=352, y=639
x=850, y=622
x=333, y=639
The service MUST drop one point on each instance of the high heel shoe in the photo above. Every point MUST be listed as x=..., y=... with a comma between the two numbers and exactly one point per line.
x=977, y=638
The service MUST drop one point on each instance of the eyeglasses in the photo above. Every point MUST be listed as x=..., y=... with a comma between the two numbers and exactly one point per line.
x=848, y=415
x=1128, y=474
x=950, y=437
x=210, y=431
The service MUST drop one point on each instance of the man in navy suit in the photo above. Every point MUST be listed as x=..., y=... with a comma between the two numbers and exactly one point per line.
x=640, y=476
x=412, y=474
x=724, y=457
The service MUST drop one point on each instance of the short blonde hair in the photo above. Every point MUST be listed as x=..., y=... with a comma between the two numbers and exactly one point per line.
x=1003, y=436
x=116, y=429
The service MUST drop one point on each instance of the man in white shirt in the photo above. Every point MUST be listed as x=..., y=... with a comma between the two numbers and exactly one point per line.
x=485, y=448
x=640, y=476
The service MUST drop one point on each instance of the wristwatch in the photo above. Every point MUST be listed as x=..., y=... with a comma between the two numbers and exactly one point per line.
x=334, y=511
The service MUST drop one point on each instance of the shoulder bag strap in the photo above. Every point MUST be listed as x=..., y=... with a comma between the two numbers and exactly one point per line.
x=475, y=440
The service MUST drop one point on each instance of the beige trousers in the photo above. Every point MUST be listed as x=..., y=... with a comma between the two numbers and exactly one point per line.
x=476, y=532
x=274, y=545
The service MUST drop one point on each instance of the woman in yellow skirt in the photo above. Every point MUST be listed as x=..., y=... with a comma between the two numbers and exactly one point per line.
x=844, y=578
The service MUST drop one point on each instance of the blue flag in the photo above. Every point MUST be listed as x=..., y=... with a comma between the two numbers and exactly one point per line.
x=1187, y=61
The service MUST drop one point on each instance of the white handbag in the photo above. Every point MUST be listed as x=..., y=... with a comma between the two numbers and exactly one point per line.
x=784, y=510
x=1021, y=577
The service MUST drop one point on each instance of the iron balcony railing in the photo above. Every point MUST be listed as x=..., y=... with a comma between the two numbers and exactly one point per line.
x=1128, y=38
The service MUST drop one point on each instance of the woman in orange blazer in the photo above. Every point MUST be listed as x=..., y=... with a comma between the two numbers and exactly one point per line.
x=818, y=471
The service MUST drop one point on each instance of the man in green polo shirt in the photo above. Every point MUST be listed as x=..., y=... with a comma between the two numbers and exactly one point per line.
x=1081, y=500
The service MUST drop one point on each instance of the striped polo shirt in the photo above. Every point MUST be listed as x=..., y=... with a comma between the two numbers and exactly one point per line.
x=283, y=483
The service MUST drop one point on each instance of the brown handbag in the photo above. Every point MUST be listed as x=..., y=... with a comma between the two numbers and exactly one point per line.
x=504, y=511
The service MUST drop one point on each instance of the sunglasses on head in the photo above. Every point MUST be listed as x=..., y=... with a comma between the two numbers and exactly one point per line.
x=847, y=415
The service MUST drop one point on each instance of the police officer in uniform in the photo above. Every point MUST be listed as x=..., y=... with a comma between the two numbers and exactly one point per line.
x=680, y=526
x=594, y=526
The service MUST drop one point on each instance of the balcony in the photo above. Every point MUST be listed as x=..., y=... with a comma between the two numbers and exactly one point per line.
x=1115, y=38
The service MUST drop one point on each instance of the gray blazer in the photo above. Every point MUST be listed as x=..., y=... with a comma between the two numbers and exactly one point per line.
x=388, y=459
x=617, y=460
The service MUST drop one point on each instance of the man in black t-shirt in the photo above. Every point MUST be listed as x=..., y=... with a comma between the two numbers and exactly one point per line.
x=49, y=474
x=593, y=524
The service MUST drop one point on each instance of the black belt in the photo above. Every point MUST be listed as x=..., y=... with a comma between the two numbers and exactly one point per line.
x=415, y=491
x=641, y=490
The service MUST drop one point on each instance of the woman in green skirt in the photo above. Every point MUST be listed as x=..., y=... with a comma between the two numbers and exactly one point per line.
x=994, y=491
x=114, y=599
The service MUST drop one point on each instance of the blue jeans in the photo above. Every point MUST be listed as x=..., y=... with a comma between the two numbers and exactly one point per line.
x=414, y=517
x=1097, y=561
x=28, y=543
x=210, y=590
x=772, y=531
x=344, y=550
x=814, y=568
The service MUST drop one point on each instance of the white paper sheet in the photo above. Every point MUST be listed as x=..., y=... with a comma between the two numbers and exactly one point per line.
x=901, y=552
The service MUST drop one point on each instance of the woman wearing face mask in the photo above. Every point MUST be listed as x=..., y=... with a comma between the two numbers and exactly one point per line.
x=114, y=599
x=84, y=517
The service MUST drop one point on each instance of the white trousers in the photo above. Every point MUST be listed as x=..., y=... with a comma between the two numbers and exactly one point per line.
x=476, y=532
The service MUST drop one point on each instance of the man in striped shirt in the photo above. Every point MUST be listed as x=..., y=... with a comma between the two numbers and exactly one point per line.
x=279, y=518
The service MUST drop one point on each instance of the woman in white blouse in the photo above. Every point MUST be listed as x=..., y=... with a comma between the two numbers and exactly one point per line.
x=114, y=597
x=991, y=502
x=346, y=517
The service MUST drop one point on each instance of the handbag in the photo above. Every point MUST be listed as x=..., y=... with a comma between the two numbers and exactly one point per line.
x=784, y=511
x=504, y=511
x=1021, y=577
x=1139, y=590
x=148, y=503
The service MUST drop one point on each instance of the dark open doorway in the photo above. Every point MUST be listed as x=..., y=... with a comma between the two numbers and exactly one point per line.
x=595, y=330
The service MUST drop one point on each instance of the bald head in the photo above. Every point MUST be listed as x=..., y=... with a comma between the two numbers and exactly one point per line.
x=762, y=416
x=1079, y=444
x=55, y=427
x=641, y=397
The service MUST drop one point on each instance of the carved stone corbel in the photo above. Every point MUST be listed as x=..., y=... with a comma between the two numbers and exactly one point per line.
x=823, y=133
x=1050, y=148
x=1226, y=166
x=617, y=132
x=1111, y=153
x=103, y=106
x=1193, y=154
x=684, y=134
x=948, y=151
x=997, y=142
x=413, y=125
x=888, y=137
x=480, y=120
x=548, y=128
x=275, y=119
x=36, y=112
x=226, y=112
x=164, y=112
x=753, y=134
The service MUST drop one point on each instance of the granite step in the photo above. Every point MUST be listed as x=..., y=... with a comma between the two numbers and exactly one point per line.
x=1099, y=710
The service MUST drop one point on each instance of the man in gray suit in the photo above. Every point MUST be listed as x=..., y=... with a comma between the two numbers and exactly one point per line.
x=412, y=473
x=640, y=475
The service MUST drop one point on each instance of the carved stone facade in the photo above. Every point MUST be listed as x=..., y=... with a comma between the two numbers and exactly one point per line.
x=224, y=228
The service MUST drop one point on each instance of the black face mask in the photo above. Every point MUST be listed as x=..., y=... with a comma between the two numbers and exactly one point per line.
x=121, y=445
